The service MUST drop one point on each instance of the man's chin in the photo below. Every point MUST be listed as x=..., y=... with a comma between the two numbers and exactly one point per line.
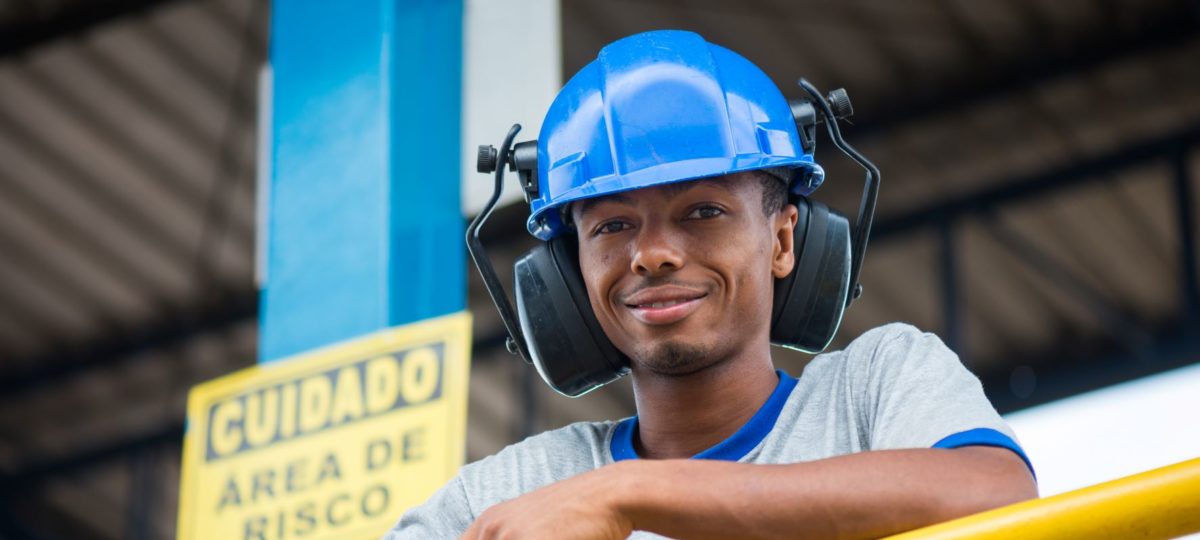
x=675, y=358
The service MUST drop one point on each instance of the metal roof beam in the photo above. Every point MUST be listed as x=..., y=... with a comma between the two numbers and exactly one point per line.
x=1173, y=26
x=69, y=285
x=235, y=308
x=68, y=166
x=191, y=60
x=158, y=168
x=1065, y=373
x=951, y=285
x=22, y=36
x=1185, y=217
x=1098, y=169
x=1120, y=324
x=73, y=232
x=33, y=472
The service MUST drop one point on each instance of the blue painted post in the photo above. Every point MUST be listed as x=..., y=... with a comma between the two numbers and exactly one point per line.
x=364, y=227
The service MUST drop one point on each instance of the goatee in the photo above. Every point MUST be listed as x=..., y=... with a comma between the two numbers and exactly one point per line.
x=675, y=358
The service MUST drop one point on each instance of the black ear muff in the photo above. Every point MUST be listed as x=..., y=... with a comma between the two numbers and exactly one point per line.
x=809, y=302
x=565, y=341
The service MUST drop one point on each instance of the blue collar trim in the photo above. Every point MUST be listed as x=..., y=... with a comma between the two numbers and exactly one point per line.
x=732, y=449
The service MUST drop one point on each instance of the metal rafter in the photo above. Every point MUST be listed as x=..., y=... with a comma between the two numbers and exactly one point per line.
x=89, y=182
x=191, y=61
x=158, y=107
x=29, y=316
x=899, y=67
x=32, y=472
x=171, y=329
x=952, y=288
x=1064, y=373
x=22, y=36
x=70, y=285
x=1068, y=138
x=1185, y=217
x=1084, y=171
x=156, y=167
x=775, y=14
x=1176, y=24
x=218, y=216
x=75, y=235
x=1120, y=324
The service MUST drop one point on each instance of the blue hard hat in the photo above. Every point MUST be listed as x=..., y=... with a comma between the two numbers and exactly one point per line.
x=660, y=107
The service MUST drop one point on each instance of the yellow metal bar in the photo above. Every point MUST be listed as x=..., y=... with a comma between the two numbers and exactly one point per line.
x=1162, y=503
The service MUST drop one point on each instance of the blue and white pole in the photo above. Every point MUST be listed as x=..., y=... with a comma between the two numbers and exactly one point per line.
x=363, y=223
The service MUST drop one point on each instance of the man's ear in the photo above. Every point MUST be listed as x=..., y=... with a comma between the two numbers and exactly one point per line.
x=783, y=257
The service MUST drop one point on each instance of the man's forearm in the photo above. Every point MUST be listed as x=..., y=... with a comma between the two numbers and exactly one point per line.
x=863, y=495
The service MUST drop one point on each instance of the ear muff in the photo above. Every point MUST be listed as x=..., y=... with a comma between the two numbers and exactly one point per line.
x=567, y=345
x=809, y=301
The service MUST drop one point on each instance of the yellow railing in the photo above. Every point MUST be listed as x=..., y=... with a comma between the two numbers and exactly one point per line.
x=1162, y=503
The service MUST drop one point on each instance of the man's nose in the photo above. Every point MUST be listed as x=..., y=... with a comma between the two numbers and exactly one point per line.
x=656, y=252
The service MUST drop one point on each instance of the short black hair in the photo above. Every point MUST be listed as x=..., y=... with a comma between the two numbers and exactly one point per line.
x=774, y=191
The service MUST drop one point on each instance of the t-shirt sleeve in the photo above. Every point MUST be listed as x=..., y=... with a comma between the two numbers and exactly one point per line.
x=446, y=514
x=917, y=394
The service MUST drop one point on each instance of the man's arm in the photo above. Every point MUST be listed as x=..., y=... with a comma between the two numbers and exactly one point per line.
x=864, y=495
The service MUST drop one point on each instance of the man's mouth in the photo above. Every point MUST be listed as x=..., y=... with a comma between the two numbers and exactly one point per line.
x=661, y=304
x=665, y=304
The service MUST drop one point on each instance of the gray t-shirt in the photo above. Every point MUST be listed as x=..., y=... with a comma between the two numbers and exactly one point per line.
x=893, y=387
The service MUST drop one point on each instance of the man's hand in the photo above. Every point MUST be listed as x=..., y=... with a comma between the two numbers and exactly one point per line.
x=579, y=508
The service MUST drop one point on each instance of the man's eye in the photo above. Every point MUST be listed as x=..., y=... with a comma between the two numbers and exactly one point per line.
x=611, y=227
x=705, y=212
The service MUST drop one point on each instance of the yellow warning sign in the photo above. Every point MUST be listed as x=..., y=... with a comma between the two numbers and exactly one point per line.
x=335, y=443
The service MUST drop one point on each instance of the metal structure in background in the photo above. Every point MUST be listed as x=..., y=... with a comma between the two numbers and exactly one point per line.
x=191, y=275
x=210, y=196
x=1141, y=351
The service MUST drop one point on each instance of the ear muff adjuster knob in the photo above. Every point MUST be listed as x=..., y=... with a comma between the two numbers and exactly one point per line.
x=485, y=158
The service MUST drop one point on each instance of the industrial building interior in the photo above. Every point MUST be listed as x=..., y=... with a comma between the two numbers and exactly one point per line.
x=1037, y=212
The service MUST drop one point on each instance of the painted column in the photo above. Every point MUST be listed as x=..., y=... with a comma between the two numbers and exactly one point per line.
x=363, y=220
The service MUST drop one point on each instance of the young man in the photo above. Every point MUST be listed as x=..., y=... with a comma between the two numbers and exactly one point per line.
x=680, y=258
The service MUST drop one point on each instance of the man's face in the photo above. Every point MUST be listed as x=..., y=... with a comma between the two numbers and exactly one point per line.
x=681, y=276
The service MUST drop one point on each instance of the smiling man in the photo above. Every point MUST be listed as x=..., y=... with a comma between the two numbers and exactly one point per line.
x=681, y=228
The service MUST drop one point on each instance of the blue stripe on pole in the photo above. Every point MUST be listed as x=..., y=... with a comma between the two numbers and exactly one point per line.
x=364, y=221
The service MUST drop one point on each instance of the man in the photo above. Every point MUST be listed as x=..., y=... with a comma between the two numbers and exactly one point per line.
x=683, y=230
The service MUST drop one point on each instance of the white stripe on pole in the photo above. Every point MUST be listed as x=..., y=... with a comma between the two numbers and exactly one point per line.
x=511, y=71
